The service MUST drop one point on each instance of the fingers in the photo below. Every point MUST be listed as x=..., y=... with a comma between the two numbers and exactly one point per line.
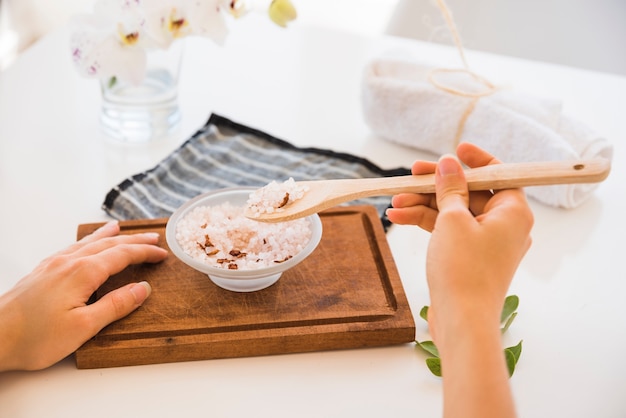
x=421, y=209
x=511, y=208
x=405, y=200
x=479, y=200
x=450, y=185
x=115, y=305
x=423, y=167
x=507, y=207
x=109, y=229
x=116, y=258
x=107, y=237
x=413, y=209
x=105, y=243
x=474, y=156
x=422, y=216
x=95, y=262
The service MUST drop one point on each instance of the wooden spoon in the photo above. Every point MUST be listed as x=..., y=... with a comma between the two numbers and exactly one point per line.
x=324, y=194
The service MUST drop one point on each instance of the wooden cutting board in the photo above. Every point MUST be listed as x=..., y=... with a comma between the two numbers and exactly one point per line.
x=346, y=294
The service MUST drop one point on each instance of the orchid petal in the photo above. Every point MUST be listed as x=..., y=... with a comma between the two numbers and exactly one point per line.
x=160, y=17
x=206, y=19
x=125, y=63
x=97, y=52
x=88, y=33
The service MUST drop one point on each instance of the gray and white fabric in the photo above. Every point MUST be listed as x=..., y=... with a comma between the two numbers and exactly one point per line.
x=227, y=154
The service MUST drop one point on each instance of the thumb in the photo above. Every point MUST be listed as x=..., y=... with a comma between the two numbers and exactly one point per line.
x=450, y=185
x=118, y=303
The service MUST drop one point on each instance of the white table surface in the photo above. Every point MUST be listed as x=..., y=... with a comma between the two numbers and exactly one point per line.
x=302, y=85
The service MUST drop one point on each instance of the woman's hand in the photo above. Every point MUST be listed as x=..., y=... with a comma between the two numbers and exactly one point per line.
x=45, y=316
x=478, y=240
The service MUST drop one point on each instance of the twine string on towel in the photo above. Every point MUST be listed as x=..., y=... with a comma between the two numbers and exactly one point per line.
x=447, y=15
x=489, y=88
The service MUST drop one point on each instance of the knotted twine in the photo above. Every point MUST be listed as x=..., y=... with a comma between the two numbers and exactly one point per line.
x=432, y=76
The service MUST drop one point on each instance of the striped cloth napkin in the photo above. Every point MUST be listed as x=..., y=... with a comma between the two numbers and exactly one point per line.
x=227, y=154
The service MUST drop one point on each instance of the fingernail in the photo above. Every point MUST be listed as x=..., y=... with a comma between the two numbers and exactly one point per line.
x=448, y=165
x=110, y=225
x=153, y=235
x=141, y=291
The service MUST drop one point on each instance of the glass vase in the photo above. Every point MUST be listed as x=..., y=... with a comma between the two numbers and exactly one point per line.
x=148, y=111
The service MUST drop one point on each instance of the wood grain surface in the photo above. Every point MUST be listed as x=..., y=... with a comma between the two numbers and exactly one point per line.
x=346, y=294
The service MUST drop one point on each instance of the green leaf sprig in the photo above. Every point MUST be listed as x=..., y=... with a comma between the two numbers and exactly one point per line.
x=511, y=354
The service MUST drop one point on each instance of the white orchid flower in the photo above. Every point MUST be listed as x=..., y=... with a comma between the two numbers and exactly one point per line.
x=168, y=20
x=207, y=18
x=111, y=42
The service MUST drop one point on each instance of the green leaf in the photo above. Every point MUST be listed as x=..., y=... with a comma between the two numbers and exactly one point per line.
x=508, y=322
x=510, y=305
x=429, y=347
x=434, y=365
x=112, y=82
x=510, y=361
x=516, y=350
x=511, y=354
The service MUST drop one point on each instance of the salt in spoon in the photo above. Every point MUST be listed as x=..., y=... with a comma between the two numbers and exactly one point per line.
x=324, y=194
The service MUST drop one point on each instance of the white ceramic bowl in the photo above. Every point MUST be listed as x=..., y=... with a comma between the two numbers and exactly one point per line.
x=236, y=280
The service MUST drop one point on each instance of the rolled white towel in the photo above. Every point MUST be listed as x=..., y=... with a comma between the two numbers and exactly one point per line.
x=403, y=105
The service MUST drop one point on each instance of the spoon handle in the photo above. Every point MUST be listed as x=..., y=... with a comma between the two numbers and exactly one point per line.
x=506, y=176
